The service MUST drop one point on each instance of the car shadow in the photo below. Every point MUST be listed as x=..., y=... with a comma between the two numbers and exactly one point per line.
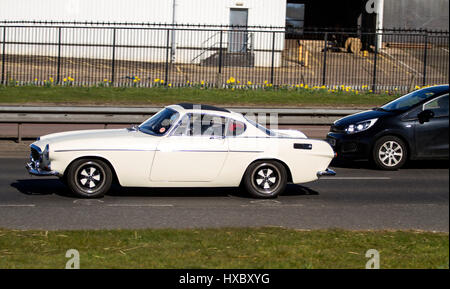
x=416, y=164
x=298, y=190
x=56, y=187
x=118, y=191
x=41, y=187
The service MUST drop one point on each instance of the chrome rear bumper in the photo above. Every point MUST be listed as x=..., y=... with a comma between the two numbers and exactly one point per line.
x=327, y=172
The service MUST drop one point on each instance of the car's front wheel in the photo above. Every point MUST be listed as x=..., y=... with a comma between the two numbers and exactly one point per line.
x=389, y=153
x=89, y=178
x=265, y=179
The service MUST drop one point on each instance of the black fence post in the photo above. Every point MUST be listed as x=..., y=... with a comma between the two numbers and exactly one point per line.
x=113, y=60
x=425, y=54
x=58, y=71
x=374, y=79
x=166, y=75
x=220, y=52
x=3, y=55
x=324, y=75
x=273, y=58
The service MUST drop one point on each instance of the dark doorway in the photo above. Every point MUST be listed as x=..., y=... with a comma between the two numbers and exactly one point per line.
x=238, y=36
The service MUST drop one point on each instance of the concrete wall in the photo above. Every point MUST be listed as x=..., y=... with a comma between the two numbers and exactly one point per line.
x=416, y=14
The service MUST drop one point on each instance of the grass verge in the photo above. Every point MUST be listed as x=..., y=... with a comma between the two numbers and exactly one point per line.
x=223, y=248
x=161, y=96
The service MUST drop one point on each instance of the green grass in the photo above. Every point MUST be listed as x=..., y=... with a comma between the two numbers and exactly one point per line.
x=223, y=248
x=162, y=96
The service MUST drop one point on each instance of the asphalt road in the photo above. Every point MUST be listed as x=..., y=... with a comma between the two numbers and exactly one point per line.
x=359, y=197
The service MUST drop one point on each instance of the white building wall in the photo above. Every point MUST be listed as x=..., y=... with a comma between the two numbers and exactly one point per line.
x=207, y=12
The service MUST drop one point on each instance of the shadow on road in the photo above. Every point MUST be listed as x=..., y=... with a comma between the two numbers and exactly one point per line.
x=41, y=187
x=298, y=190
x=56, y=187
x=422, y=164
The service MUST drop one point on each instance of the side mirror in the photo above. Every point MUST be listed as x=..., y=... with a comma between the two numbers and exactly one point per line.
x=425, y=116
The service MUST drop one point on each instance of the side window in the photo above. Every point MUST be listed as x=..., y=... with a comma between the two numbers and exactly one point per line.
x=212, y=125
x=201, y=125
x=183, y=128
x=235, y=128
x=439, y=106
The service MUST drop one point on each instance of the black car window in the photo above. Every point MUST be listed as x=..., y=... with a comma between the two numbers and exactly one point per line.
x=409, y=100
x=439, y=106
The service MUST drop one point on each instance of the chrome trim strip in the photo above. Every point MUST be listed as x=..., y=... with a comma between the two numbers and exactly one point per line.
x=246, y=151
x=196, y=151
x=156, y=150
x=83, y=150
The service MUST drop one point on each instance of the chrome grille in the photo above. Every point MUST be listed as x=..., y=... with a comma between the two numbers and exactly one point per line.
x=35, y=155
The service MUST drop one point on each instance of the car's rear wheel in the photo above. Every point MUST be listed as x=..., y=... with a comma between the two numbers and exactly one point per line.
x=265, y=179
x=89, y=178
x=389, y=153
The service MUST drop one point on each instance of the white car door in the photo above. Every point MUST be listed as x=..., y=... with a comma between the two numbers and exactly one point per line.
x=194, y=152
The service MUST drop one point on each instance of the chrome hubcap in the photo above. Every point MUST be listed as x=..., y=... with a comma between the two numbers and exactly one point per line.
x=266, y=178
x=390, y=153
x=89, y=177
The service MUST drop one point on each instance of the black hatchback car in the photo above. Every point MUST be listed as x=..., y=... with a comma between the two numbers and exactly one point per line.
x=414, y=126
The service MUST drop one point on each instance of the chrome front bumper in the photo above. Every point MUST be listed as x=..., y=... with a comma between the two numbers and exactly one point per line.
x=327, y=172
x=36, y=171
x=38, y=165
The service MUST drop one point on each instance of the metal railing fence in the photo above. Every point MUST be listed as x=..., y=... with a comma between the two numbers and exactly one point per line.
x=148, y=55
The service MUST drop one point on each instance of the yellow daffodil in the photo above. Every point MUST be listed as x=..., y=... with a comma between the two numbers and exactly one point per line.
x=249, y=83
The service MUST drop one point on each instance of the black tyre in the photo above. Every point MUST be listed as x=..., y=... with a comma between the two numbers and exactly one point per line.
x=389, y=153
x=63, y=180
x=265, y=179
x=89, y=178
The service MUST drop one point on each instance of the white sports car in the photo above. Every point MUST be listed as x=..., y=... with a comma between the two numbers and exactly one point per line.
x=183, y=145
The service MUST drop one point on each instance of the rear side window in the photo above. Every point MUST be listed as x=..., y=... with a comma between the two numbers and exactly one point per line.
x=235, y=128
x=439, y=106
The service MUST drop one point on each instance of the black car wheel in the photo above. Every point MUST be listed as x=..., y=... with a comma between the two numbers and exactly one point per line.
x=89, y=178
x=265, y=179
x=389, y=153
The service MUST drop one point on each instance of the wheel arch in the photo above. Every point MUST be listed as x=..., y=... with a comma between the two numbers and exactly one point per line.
x=409, y=151
x=288, y=170
x=106, y=161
